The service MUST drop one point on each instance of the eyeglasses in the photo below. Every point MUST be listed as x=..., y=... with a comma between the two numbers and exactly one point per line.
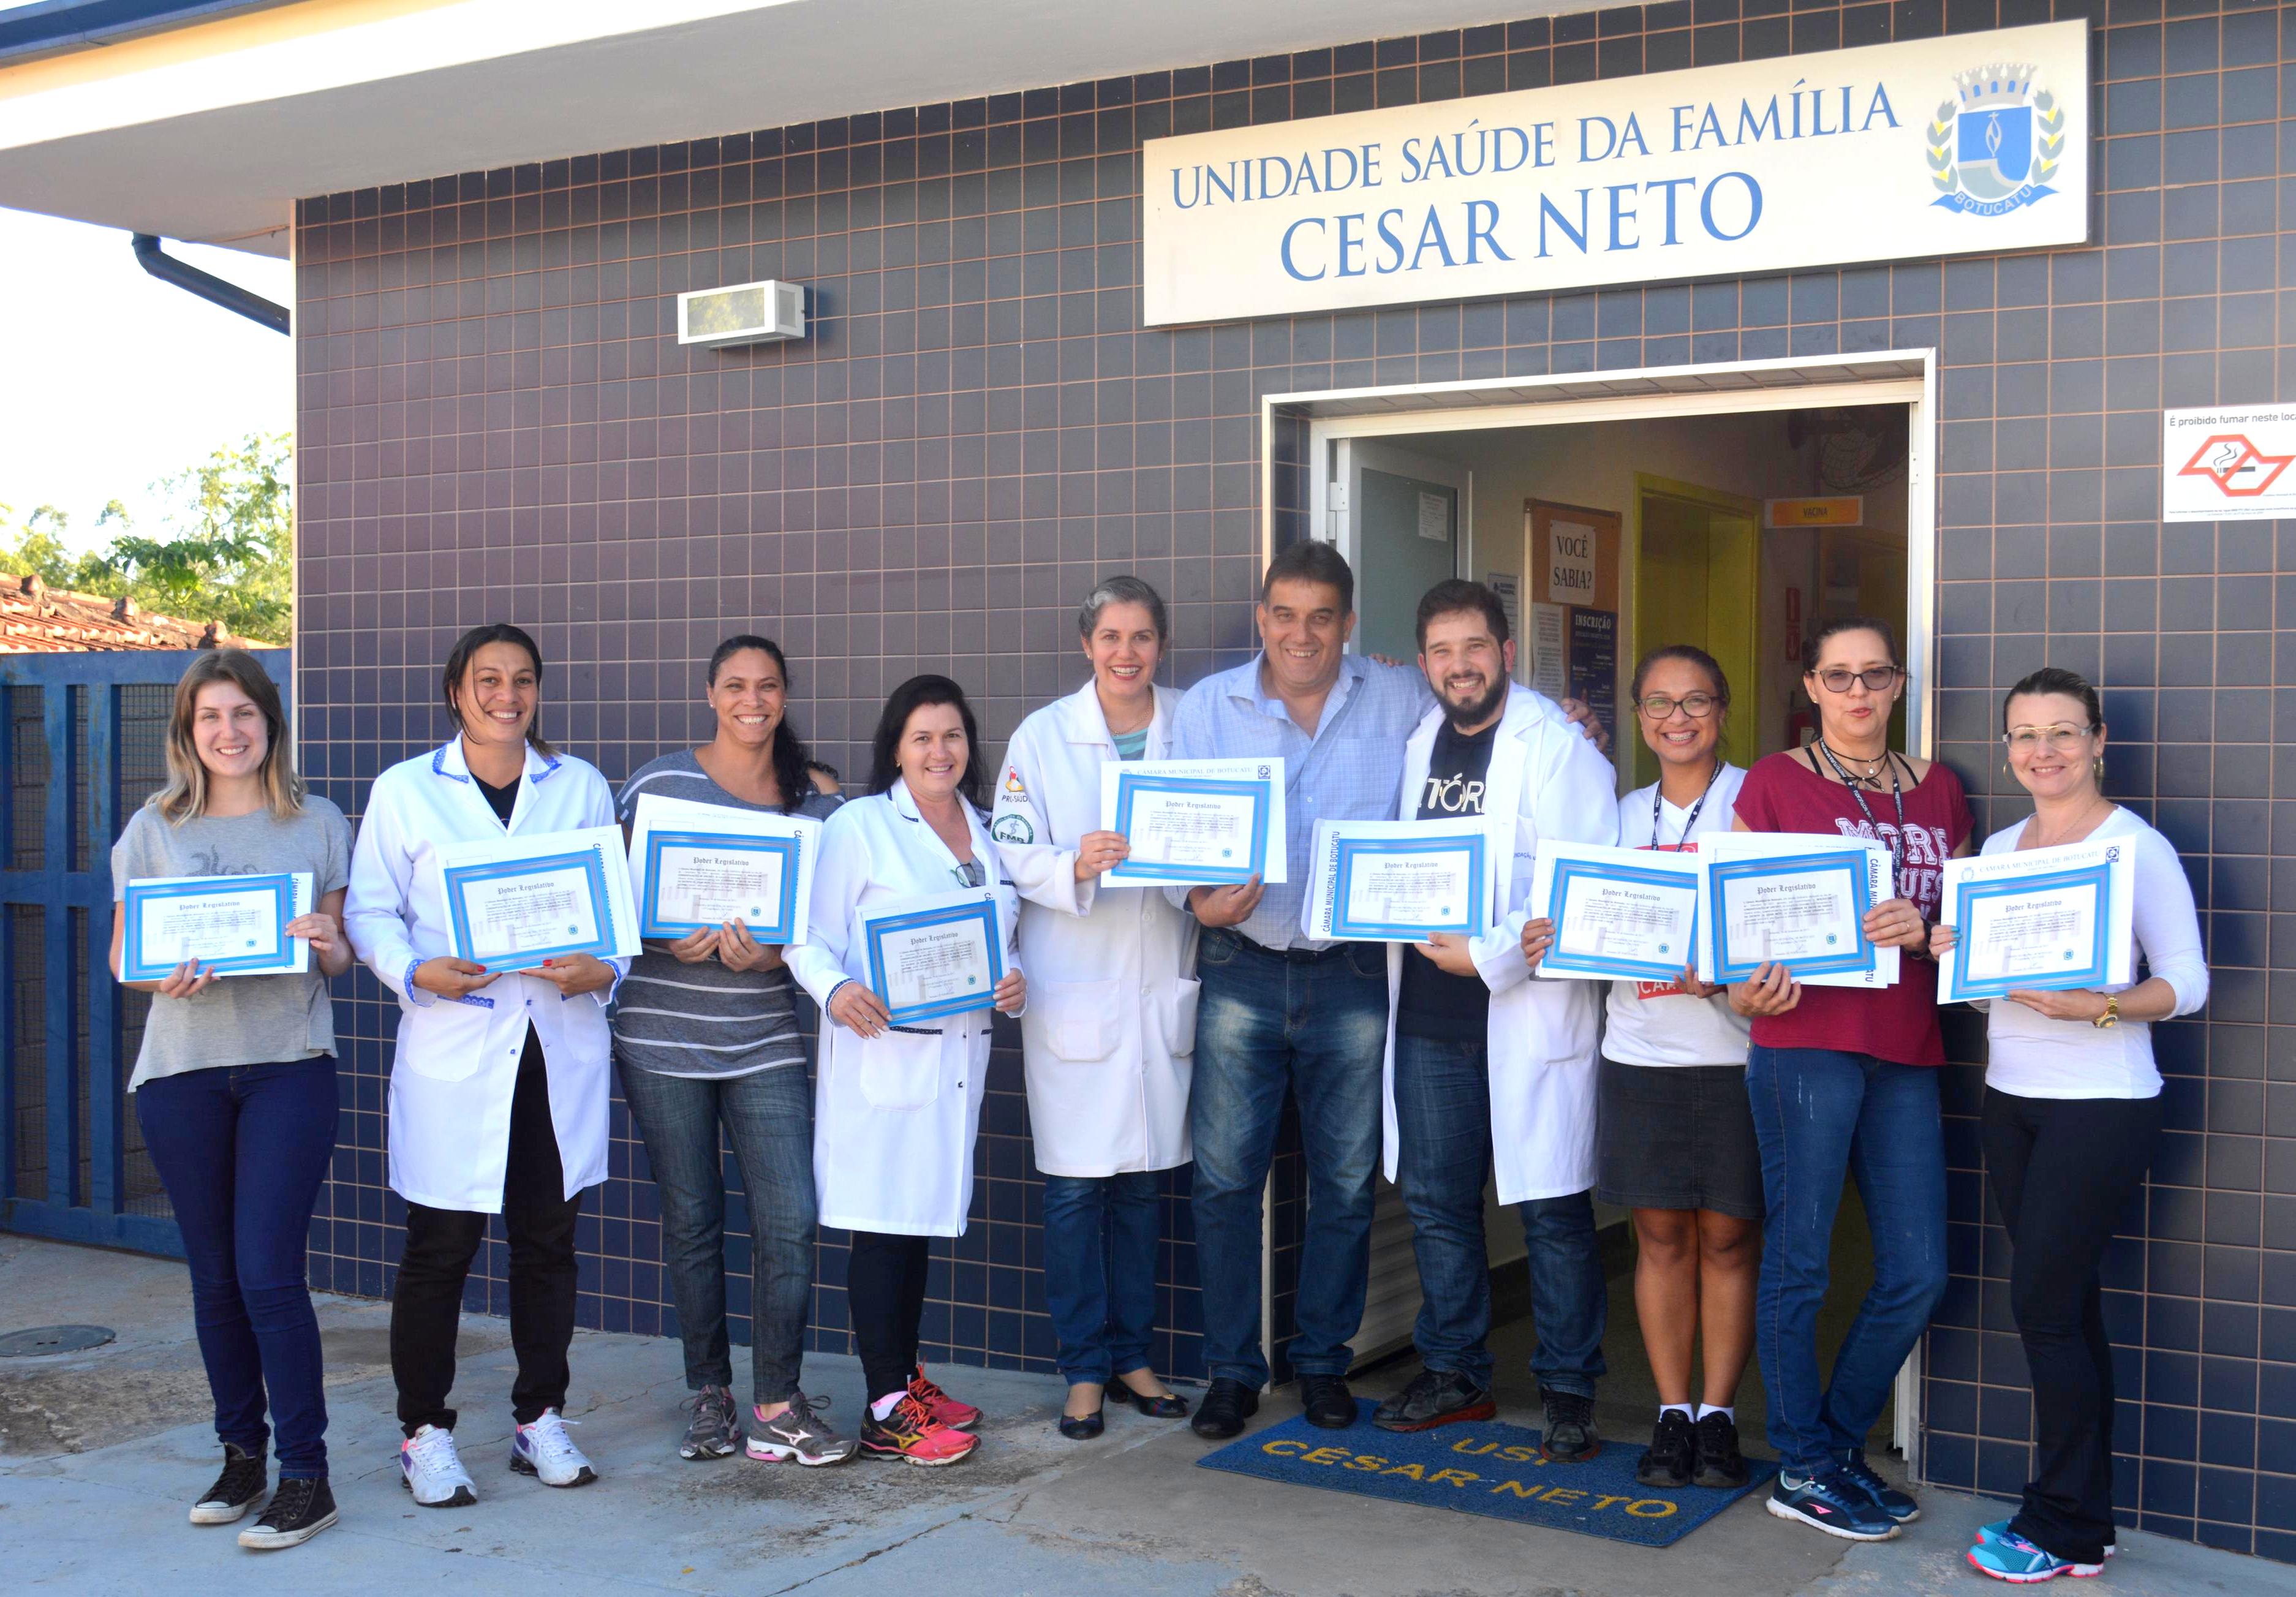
x=1658, y=707
x=2026, y=739
x=1838, y=679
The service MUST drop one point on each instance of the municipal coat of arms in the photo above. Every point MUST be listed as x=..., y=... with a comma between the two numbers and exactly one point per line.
x=1995, y=147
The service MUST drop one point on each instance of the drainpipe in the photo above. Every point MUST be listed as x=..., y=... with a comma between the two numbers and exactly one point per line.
x=207, y=286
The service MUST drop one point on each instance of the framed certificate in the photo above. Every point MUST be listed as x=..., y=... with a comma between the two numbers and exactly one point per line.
x=513, y=902
x=1625, y=915
x=231, y=925
x=1195, y=823
x=2039, y=920
x=932, y=957
x=1804, y=909
x=696, y=866
x=1399, y=882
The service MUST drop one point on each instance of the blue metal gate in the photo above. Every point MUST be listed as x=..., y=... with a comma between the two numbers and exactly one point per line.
x=84, y=744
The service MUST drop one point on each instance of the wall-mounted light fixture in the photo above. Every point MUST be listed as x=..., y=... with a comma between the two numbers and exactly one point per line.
x=747, y=313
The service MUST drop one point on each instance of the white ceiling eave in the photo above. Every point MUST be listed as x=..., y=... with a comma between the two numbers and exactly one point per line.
x=222, y=165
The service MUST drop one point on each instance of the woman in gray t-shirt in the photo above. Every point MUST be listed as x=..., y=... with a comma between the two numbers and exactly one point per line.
x=235, y=1085
x=705, y=1033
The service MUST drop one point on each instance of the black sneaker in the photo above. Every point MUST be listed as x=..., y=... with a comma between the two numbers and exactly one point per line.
x=1327, y=1402
x=1436, y=1397
x=238, y=1488
x=1667, y=1464
x=1901, y=1508
x=1227, y=1403
x=1721, y=1464
x=1570, y=1437
x=300, y=1510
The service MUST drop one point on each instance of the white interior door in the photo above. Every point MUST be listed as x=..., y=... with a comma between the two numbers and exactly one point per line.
x=1402, y=522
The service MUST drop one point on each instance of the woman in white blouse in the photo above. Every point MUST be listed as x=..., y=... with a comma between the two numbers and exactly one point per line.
x=2072, y=1111
x=896, y=1108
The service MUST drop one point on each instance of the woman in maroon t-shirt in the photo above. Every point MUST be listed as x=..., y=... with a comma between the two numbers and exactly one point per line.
x=1842, y=1081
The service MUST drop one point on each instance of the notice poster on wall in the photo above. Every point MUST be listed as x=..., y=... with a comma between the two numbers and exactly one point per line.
x=1509, y=589
x=1550, y=652
x=1595, y=664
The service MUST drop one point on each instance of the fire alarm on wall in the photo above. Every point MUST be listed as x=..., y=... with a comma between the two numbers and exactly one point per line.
x=747, y=313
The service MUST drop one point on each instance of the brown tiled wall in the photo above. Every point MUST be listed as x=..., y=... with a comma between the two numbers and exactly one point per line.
x=496, y=420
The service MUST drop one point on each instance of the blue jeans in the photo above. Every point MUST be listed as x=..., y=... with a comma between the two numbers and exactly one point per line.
x=1264, y=1022
x=767, y=1117
x=241, y=1150
x=1099, y=1271
x=1443, y=1116
x=1817, y=1114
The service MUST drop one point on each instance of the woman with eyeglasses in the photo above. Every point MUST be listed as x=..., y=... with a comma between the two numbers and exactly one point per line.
x=2072, y=1112
x=1844, y=1081
x=897, y=1110
x=1676, y=1143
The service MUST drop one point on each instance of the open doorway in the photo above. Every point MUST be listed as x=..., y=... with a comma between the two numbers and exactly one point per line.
x=1608, y=528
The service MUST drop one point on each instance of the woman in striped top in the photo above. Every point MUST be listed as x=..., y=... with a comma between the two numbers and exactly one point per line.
x=706, y=1035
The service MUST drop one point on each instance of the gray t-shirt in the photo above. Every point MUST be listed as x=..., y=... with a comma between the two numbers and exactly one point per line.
x=677, y=1019
x=240, y=1019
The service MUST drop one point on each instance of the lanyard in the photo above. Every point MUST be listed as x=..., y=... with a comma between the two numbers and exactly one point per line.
x=1897, y=795
x=1657, y=796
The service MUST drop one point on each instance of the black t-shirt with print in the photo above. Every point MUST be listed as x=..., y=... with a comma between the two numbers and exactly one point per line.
x=1432, y=1003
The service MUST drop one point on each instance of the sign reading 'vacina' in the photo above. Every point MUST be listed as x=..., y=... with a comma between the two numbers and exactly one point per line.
x=1892, y=151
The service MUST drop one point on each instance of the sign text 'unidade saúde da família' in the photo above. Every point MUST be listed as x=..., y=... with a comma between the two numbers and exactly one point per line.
x=1978, y=142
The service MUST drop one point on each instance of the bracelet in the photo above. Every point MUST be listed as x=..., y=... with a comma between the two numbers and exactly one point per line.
x=2111, y=1016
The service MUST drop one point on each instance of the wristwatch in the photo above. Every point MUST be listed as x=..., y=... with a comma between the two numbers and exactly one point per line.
x=2111, y=1016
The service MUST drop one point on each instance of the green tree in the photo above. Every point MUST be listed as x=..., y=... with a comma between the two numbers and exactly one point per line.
x=228, y=554
x=224, y=552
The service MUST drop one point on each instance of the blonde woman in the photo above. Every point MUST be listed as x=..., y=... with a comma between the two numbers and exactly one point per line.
x=235, y=1085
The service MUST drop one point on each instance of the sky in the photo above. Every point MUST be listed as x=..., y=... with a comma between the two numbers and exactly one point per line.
x=111, y=379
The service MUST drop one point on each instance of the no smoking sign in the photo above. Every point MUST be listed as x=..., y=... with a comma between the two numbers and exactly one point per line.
x=2228, y=463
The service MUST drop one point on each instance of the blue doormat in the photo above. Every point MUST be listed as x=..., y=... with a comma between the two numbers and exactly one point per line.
x=1482, y=1468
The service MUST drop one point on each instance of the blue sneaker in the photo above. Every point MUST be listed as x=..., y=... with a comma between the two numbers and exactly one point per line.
x=1901, y=1508
x=2015, y=1559
x=1832, y=1502
x=1999, y=1531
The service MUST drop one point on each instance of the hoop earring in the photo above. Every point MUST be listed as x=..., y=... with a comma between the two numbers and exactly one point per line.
x=2097, y=764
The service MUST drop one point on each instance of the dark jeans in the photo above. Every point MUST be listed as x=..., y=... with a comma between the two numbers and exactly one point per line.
x=885, y=1299
x=767, y=1117
x=1099, y=1271
x=1820, y=1113
x=2063, y=1170
x=1443, y=1117
x=426, y=1307
x=241, y=1150
x=1318, y=1026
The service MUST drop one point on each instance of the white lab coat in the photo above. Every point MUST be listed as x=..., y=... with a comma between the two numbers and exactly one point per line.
x=896, y=1116
x=1542, y=1034
x=1111, y=1031
x=457, y=1062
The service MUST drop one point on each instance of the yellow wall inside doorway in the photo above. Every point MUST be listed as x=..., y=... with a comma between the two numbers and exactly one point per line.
x=1697, y=572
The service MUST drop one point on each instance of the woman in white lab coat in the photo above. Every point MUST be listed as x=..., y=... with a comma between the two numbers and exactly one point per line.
x=498, y=1091
x=898, y=1108
x=1112, y=1023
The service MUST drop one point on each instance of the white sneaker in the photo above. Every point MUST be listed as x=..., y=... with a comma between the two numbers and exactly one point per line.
x=545, y=1451
x=432, y=1471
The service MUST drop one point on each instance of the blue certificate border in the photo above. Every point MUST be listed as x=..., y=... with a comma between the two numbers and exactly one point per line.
x=791, y=848
x=1345, y=852
x=460, y=878
x=1131, y=782
x=984, y=912
x=2091, y=975
x=141, y=894
x=1566, y=870
x=1853, y=866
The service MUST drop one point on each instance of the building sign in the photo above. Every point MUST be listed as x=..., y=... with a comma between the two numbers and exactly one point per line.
x=2228, y=463
x=1845, y=511
x=1973, y=142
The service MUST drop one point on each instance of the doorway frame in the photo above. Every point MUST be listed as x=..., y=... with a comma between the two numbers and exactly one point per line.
x=1907, y=377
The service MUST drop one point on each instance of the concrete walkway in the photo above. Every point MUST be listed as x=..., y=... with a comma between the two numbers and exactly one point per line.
x=101, y=1451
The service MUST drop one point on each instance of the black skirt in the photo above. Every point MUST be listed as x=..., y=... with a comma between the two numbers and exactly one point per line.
x=1678, y=1136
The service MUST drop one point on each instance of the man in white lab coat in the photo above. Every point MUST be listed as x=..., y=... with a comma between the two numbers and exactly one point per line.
x=1485, y=1062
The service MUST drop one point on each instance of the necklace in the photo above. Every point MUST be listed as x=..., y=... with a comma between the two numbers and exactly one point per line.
x=1896, y=839
x=1657, y=796
x=1841, y=763
x=2071, y=827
